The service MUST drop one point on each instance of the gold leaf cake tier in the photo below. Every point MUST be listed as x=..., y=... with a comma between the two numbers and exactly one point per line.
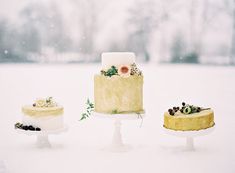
x=42, y=111
x=189, y=122
x=118, y=95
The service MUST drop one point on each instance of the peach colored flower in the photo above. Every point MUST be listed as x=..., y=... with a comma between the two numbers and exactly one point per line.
x=40, y=102
x=124, y=70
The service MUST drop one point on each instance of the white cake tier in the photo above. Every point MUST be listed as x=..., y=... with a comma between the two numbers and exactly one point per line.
x=49, y=122
x=117, y=58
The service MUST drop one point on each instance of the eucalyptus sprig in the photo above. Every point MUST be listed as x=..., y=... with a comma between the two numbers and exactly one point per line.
x=110, y=72
x=89, y=110
x=49, y=99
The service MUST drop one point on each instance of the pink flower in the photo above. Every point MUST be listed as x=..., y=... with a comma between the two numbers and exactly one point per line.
x=124, y=70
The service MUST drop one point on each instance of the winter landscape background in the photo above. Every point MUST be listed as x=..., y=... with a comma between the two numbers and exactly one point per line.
x=36, y=35
x=179, y=31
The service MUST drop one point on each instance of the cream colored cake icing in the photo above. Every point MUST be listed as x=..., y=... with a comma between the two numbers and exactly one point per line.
x=45, y=114
x=42, y=111
x=119, y=87
x=188, y=118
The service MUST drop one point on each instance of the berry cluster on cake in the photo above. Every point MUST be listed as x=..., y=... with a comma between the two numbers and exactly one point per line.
x=118, y=89
x=188, y=118
x=44, y=114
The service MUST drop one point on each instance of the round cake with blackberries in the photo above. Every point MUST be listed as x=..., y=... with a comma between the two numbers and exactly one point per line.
x=188, y=118
x=44, y=114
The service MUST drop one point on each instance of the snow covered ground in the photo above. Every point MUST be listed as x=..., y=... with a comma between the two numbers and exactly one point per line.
x=79, y=150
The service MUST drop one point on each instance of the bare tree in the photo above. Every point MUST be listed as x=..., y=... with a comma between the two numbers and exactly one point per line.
x=208, y=15
x=44, y=27
x=88, y=13
x=192, y=14
x=141, y=22
x=178, y=48
x=229, y=9
x=164, y=17
x=232, y=51
x=167, y=9
x=199, y=29
x=9, y=43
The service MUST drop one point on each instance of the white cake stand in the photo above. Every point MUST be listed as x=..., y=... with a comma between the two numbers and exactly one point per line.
x=43, y=136
x=117, y=144
x=189, y=135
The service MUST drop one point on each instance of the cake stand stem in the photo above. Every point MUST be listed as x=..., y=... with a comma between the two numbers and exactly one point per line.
x=43, y=141
x=117, y=136
x=189, y=143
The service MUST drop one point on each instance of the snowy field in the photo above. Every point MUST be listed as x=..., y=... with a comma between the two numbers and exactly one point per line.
x=79, y=150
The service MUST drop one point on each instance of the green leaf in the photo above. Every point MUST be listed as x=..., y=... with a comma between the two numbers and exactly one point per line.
x=110, y=72
x=114, y=111
x=82, y=118
x=89, y=109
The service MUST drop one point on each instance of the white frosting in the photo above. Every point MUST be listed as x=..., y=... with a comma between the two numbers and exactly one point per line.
x=50, y=122
x=117, y=58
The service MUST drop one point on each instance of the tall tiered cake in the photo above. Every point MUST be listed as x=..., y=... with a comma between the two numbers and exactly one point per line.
x=118, y=89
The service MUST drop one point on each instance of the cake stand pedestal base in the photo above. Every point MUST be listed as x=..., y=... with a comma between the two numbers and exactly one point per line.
x=42, y=140
x=117, y=144
x=189, y=136
x=189, y=143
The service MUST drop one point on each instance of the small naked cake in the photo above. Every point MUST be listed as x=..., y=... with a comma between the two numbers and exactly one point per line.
x=44, y=114
x=118, y=89
x=189, y=118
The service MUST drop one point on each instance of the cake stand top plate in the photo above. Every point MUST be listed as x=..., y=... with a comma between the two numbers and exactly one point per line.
x=127, y=116
x=192, y=133
x=43, y=132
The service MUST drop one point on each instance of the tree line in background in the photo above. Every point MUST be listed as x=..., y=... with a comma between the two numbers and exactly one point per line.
x=43, y=32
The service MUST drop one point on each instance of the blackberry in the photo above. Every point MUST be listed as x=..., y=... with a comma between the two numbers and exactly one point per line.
x=198, y=109
x=25, y=128
x=38, y=129
x=31, y=128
